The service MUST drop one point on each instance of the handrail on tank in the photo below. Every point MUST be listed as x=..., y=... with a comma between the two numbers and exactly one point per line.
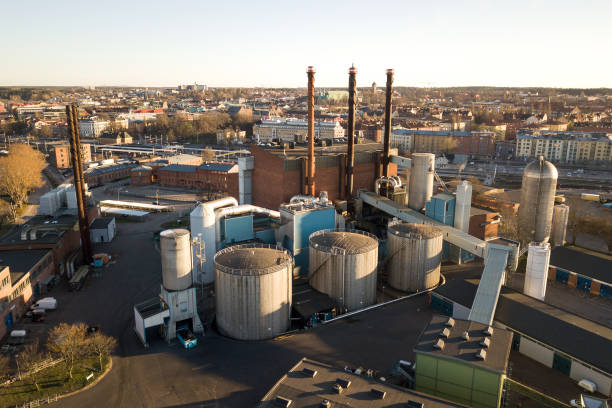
x=336, y=250
x=253, y=271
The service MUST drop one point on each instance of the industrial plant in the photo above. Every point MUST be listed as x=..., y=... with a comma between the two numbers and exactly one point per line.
x=321, y=256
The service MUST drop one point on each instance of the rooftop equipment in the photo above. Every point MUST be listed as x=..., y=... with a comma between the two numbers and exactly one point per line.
x=414, y=254
x=343, y=265
x=537, y=200
x=253, y=286
x=536, y=275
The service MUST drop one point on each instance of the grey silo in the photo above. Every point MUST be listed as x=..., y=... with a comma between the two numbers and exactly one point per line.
x=414, y=253
x=175, y=248
x=537, y=200
x=421, y=180
x=343, y=264
x=253, y=286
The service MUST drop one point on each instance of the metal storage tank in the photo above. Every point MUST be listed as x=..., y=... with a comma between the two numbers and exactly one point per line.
x=559, y=224
x=343, y=265
x=537, y=200
x=414, y=253
x=176, y=259
x=421, y=180
x=253, y=285
x=536, y=274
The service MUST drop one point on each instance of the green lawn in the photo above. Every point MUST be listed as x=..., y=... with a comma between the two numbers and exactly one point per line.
x=53, y=380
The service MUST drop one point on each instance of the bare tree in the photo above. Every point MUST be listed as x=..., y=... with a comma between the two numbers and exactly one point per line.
x=20, y=172
x=208, y=155
x=69, y=342
x=101, y=345
x=28, y=361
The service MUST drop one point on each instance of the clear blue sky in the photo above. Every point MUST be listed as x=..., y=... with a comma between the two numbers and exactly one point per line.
x=264, y=43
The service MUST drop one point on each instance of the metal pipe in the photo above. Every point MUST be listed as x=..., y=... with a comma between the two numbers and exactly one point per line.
x=387, y=137
x=301, y=197
x=311, y=159
x=237, y=210
x=351, y=132
x=74, y=151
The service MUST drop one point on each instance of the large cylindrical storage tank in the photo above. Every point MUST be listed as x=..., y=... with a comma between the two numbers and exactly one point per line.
x=559, y=224
x=176, y=259
x=414, y=253
x=537, y=200
x=536, y=274
x=421, y=180
x=343, y=265
x=253, y=285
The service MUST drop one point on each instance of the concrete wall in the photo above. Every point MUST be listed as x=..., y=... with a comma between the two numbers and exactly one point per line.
x=460, y=311
x=536, y=351
x=604, y=383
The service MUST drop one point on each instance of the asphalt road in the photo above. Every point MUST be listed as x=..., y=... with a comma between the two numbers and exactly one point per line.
x=219, y=372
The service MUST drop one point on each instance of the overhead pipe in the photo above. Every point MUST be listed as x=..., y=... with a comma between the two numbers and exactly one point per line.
x=75, y=151
x=351, y=132
x=311, y=159
x=241, y=209
x=387, y=137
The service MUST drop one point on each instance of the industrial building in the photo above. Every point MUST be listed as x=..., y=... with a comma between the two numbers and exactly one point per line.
x=462, y=361
x=106, y=173
x=554, y=337
x=209, y=176
x=61, y=155
x=102, y=229
x=313, y=384
x=476, y=143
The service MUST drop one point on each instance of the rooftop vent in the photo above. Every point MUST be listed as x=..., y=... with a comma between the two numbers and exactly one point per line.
x=445, y=333
x=488, y=331
x=486, y=342
x=465, y=336
x=343, y=382
x=325, y=404
x=439, y=345
x=309, y=372
x=482, y=354
x=282, y=402
x=415, y=404
x=337, y=388
x=450, y=322
x=378, y=393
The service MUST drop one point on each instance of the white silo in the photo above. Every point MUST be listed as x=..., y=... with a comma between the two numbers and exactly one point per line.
x=421, y=180
x=538, y=258
x=559, y=224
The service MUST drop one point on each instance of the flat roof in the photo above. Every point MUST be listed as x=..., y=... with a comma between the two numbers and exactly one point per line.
x=21, y=261
x=581, y=338
x=307, y=391
x=101, y=223
x=301, y=150
x=123, y=211
x=47, y=237
x=455, y=347
x=582, y=261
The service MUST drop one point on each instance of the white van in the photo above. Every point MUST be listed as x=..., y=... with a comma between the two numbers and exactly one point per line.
x=47, y=303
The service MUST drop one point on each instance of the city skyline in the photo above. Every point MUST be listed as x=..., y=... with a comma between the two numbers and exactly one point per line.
x=545, y=44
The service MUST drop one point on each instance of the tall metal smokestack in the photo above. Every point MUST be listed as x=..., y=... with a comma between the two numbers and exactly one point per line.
x=75, y=115
x=311, y=159
x=351, y=132
x=387, y=138
x=75, y=152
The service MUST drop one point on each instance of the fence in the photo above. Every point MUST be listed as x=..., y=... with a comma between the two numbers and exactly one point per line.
x=37, y=403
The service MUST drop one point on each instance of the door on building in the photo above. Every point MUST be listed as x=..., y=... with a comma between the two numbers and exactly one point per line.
x=36, y=291
x=561, y=363
x=101, y=238
x=8, y=321
x=516, y=341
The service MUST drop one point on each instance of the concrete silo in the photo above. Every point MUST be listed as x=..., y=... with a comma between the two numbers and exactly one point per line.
x=414, y=253
x=253, y=285
x=559, y=224
x=537, y=200
x=421, y=180
x=343, y=265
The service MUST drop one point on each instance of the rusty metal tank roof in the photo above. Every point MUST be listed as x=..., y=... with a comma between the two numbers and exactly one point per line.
x=252, y=259
x=351, y=242
x=415, y=231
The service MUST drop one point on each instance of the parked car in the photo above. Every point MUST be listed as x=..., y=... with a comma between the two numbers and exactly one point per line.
x=48, y=303
x=38, y=315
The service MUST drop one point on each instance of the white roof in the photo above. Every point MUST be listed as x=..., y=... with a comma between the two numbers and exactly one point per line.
x=130, y=204
x=123, y=211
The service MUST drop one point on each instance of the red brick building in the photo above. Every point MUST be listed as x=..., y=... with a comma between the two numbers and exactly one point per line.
x=279, y=174
x=483, y=223
x=61, y=157
x=211, y=177
x=141, y=176
x=109, y=172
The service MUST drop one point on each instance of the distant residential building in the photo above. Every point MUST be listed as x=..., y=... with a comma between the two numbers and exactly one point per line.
x=62, y=155
x=332, y=96
x=560, y=146
x=295, y=130
x=115, y=138
x=227, y=136
x=477, y=143
x=92, y=127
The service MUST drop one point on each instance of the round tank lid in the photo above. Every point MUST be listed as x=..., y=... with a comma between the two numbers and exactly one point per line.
x=249, y=260
x=351, y=242
x=541, y=168
x=173, y=233
x=418, y=231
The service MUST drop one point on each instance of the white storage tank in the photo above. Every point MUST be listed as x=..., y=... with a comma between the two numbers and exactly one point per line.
x=253, y=285
x=421, y=180
x=559, y=224
x=414, y=255
x=176, y=259
x=343, y=264
x=538, y=258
